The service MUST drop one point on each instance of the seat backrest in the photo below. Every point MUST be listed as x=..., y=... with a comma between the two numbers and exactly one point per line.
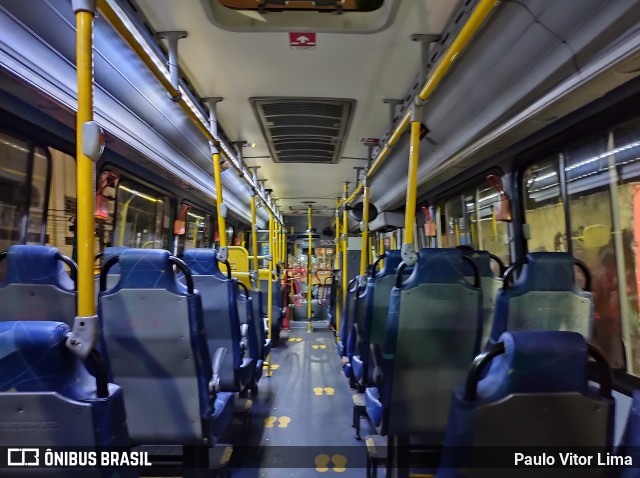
x=114, y=272
x=544, y=297
x=346, y=324
x=433, y=330
x=247, y=317
x=630, y=445
x=36, y=286
x=220, y=310
x=491, y=284
x=537, y=381
x=257, y=301
x=47, y=397
x=373, y=324
x=378, y=293
x=153, y=336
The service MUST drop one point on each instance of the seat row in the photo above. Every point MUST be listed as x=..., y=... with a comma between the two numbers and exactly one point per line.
x=410, y=334
x=177, y=336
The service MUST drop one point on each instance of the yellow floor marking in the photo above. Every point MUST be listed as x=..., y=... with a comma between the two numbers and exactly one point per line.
x=299, y=339
x=340, y=461
x=317, y=391
x=321, y=462
x=319, y=347
x=329, y=390
x=292, y=339
x=284, y=422
x=274, y=366
x=269, y=422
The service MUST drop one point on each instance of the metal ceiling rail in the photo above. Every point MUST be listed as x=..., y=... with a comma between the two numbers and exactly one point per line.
x=477, y=18
x=116, y=22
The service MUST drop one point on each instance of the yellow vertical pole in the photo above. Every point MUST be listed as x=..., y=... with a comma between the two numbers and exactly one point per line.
x=336, y=265
x=254, y=233
x=295, y=246
x=270, y=290
x=345, y=246
x=222, y=226
x=285, y=254
x=85, y=13
x=364, y=254
x=394, y=243
x=309, y=264
x=381, y=248
x=409, y=255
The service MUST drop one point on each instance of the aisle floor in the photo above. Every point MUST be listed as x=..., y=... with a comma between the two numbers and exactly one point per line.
x=302, y=415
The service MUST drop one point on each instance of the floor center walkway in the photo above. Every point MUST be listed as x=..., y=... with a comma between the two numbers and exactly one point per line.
x=302, y=415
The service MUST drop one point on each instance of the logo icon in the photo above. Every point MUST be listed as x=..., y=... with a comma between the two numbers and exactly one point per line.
x=23, y=457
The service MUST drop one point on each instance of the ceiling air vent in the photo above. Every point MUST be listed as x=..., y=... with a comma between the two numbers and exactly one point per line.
x=304, y=130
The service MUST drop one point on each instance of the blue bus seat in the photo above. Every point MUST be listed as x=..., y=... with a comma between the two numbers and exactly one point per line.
x=358, y=300
x=630, y=444
x=539, y=381
x=258, y=300
x=433, y=331
x=544, y=297
x=491, y=284
x=154, y=339
x=48, y=399
x=253, y=346
x=347, y=317
x=373, y=327
x=36, y=286
x=221, y=318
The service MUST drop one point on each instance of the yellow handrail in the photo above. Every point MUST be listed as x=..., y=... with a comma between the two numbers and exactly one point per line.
x=477, y=18
x=84, y=165
x=115, y=21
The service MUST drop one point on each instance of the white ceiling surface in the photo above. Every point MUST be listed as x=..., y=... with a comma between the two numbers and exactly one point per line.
x=241, y=65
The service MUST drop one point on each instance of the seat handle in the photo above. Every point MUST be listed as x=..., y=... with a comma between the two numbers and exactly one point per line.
x=179, y=263
x=475, y=371
x=399, y=274
x=73, y=267
x=102, y=381
x=506, y=278
x=606, y=380
x=372, y=269
x=501, y=267
x=476, y=270
x=350, y=288
x=226, y=263
x=585, y=270
x=244, y=288
x=376, y=358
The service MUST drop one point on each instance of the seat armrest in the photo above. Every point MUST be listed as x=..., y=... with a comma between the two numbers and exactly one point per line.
x=376, y=358
x=216, y=364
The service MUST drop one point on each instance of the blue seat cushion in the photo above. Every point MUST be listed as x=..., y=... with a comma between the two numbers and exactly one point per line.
x=357, y=367
x=222, y=413
x=34, y=358
x=373, y=405
x=535, y=362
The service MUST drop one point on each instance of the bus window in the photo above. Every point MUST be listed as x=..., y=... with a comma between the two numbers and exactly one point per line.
x=544, y=211
x=493, y=235
x=139, y=217
x=198, y=229
x=40, y=182
x=14, y=164
x=470, y=220
x=62, y=202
